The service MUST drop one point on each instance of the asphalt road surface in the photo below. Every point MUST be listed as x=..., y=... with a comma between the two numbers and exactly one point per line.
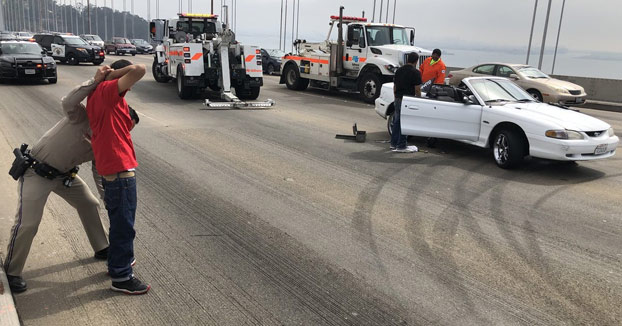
x=262, y=217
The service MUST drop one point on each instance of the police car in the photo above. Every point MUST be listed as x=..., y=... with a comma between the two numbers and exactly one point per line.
x=25, y=60
x=70, y=48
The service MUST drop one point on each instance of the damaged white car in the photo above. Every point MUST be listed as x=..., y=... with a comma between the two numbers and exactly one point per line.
x=494, y=112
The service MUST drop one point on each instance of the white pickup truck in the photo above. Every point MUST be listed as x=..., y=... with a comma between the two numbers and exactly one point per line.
x=495, y=112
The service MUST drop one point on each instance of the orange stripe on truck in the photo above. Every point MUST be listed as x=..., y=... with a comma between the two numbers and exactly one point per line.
x=250, y=58
x=197, y=56
x=306, y=59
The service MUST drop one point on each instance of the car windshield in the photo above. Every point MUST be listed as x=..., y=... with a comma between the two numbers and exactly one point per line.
x=141, y=41
x=531, y=72
x=92, y=38
x=122, y=41
x=275, y=53
x=499, y=90
x=381, y=35
x=75, y=41
x=21, y=48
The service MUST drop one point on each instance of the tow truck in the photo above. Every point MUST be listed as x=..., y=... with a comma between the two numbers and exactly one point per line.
x=198, y=52
x=368, y=58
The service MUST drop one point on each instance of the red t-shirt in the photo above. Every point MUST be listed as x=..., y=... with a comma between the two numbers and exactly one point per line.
x=109, y=118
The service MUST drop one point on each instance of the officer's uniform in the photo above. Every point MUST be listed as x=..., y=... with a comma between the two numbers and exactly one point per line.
x=63, y=147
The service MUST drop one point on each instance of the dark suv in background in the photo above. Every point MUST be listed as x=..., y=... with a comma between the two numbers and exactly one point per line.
x=271, y=60
x=70, y=48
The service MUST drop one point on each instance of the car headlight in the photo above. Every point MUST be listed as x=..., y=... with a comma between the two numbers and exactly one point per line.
x=610, y=132
x=562, y=90
x=48, y=60
x=81, y=49
x=391, y=68
x=564, y=134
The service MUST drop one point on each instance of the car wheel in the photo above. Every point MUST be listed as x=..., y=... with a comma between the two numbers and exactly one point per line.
x=97, y=63
x=508, y=148
x=293, y=80
x=184, y=92
x=270, y=69
x=52, y=80
x=535, y=94
x=389, y=123
x=72, y=60
x=369, y=87
x=133, y=54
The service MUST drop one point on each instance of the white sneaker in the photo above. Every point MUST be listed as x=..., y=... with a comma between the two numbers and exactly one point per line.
x=407, y=149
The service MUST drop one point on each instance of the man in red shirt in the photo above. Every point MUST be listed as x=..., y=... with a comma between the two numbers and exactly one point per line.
x=433, y=70
x=110, y=122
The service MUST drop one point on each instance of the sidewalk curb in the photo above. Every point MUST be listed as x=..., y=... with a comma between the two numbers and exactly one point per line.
x=8, y=311
x=603, y=106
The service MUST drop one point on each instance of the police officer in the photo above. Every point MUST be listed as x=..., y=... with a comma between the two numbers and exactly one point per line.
x=60, y=149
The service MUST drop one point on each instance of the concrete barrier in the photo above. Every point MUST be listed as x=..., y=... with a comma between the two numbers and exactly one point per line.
x=597, y=89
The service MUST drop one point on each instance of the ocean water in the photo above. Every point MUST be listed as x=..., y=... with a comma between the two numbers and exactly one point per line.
x=568, y=64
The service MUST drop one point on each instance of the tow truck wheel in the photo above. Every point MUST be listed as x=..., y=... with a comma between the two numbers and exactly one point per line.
x=293, y=80
x=243, y=94
x=369, y=87
x=184, y=92
x=157, y=73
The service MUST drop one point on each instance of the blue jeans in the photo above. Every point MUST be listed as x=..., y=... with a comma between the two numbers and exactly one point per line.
x=397, y=139
x=120, y=199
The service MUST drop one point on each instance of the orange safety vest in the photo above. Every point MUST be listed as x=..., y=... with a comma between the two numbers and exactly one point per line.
x=435, y=71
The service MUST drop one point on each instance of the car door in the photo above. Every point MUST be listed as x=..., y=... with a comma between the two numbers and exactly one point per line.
x=58, y=47
x=440, y=119
x=265, y=59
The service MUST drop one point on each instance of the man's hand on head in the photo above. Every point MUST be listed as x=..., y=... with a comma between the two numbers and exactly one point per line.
x=101, y=73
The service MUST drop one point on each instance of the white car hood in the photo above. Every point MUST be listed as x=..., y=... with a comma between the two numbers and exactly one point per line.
x=565, y=118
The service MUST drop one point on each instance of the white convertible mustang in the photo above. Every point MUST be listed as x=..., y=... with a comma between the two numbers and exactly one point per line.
x=495, y=112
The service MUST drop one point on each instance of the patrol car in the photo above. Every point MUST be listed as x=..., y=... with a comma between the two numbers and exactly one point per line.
x=70, y=49
x=25, y=60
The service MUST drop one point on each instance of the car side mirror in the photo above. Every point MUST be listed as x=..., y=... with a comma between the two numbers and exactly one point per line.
x=42, y=52
x=471, y=99
x=514, y=77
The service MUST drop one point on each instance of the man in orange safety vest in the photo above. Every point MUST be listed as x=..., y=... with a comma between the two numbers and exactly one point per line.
x=433, y=70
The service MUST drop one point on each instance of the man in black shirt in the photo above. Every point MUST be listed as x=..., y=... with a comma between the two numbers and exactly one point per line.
x=407, y=82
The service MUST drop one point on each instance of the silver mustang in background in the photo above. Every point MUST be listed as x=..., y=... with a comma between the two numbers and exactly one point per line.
x=495, y=112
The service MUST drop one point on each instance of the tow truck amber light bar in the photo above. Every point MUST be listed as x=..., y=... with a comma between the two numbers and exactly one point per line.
x=187, y=15
x=355, y=19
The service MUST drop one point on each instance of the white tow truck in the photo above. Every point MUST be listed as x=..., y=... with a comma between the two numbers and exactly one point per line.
x=199, y=52
x=368, y=58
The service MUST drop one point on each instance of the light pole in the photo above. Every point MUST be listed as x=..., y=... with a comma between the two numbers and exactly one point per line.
x=546, y=26
x=533, y=22
x=561, y=17
x=285, y=29
x=394, y=6
x=381, y=6
x=373, y=13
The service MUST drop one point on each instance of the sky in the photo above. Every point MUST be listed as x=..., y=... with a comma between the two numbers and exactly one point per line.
x=591, y=26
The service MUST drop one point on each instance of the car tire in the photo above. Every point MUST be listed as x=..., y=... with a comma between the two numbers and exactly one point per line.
x=270, y=69
x=133, y=54
x=72, y=60
x=63, y=61
x=369, y=87
x=535, y=94
x=97, y=63
x=184, y=92
x=508, y=148
x=389, y=123
x=52, y=80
